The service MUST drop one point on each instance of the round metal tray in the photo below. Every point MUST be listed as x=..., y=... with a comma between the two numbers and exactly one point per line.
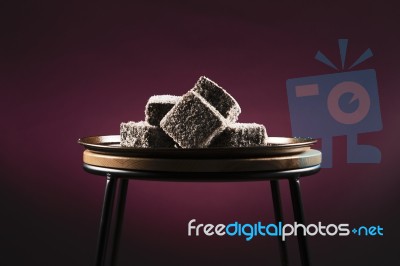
x=276, y=146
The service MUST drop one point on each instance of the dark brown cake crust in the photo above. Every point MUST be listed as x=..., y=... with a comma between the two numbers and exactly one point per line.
x=158, y=106
x=241, y=135
x=193, y=122
x=143, y=135
x=218, y=97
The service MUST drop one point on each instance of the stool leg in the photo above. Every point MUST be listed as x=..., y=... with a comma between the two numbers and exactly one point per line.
x=119, y=217
x=299, y=218
x=105, y=221
x=276, y=199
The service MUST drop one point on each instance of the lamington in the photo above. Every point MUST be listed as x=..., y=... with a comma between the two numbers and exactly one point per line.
x=218, y=97
x=143, y=135
x=193, y=122
x=241, y=135
x=158, y=106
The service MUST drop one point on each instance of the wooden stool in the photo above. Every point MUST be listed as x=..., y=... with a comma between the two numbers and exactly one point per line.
x=120, y=168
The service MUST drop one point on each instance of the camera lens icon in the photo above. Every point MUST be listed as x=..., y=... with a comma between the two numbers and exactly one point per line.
x=338, y=104
x=358, y=92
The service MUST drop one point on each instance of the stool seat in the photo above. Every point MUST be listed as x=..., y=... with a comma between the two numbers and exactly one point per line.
x=277, y=163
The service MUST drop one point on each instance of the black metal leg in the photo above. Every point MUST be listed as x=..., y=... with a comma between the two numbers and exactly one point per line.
x=299, y=218
x=276, y=199
x=105, y=222
x=119, y=217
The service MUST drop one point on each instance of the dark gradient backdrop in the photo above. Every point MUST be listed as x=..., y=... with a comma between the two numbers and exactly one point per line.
x=78, y=69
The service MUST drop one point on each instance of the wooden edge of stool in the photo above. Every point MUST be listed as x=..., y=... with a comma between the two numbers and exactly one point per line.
x=301, y=160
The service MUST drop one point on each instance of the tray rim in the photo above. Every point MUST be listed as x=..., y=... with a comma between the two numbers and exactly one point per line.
x=273, y=149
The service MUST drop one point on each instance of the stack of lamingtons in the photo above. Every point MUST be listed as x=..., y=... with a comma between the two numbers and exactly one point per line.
x=204, y=117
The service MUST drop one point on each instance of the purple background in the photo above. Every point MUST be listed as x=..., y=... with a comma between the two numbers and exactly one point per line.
x=79, y=69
